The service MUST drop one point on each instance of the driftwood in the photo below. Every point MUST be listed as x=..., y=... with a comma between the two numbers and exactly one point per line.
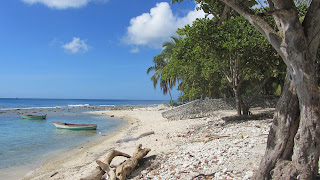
x=54, y=174
x=136, y=138
x=104, y=171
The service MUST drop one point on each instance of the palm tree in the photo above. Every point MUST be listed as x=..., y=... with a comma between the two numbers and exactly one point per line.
x=168, y=46
x=160, y=61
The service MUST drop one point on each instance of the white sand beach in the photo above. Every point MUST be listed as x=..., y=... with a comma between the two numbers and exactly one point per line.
x=207, y=148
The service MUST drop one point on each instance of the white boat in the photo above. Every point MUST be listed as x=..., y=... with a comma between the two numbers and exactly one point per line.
x=62, y=125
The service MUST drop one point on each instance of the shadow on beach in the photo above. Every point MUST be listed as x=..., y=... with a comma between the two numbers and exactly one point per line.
x=145, y=163
x=268, y=114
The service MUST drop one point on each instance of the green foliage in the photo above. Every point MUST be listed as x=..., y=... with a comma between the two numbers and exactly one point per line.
x=278, y=91
x=208, y=54
x=211, y=60
x=174, y=103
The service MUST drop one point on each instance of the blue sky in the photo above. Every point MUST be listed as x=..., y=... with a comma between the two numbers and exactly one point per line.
x=96, y=49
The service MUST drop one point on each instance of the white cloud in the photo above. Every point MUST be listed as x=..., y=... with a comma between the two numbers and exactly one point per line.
x=152, y=29
x=63, y=4
x=135, y=50
x=76, y=46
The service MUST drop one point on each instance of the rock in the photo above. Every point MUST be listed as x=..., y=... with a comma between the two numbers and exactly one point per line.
x=225, y=170
x=248, y=175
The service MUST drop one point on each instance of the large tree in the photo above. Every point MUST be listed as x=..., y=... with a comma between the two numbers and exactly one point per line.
x=209, y=58
x=294, y=138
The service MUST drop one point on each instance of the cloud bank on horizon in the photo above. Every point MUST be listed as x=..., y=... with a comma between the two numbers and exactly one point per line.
x=76, y=46
x=63, y=4
x=153, y=28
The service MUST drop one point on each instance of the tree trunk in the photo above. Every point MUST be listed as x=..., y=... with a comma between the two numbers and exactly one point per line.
x=307, y=140
x=282, y=131
x=245, y=105
x=245, y=108
x=295, y=158
x=171, y=104
x=302, y=163
x=237, y=98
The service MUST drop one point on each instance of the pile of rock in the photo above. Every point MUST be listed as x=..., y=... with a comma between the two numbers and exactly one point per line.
x=205, y=108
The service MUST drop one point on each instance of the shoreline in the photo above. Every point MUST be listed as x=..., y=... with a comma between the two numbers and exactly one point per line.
x=20, y=171
x=179, y=149
x=54, y=159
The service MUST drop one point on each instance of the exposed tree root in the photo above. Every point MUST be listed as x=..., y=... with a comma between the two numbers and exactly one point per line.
x=104, y=171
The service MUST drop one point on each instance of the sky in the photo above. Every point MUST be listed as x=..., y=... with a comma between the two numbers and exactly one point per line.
x=85, y=49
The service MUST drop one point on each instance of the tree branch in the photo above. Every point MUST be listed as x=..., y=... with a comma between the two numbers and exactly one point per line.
x=255, y=94
x=224, y=15
x=278, y=12
x=241, y=77
x=215, y=15
x=260, y=24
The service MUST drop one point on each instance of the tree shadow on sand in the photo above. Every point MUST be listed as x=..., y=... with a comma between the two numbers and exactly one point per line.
x=143, y=165
x=243, y=118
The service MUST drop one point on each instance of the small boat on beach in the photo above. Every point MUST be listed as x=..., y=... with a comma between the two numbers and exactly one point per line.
x=61, y=125
x=29, y=116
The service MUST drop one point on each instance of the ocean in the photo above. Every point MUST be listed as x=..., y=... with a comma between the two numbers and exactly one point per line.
x=24, y=142
x=7, y=103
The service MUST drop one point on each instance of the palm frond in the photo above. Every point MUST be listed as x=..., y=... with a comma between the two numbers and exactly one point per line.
x=152, y=68
x=160, y=61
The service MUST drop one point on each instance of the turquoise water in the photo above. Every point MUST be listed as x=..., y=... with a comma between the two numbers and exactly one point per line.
x=24, y=142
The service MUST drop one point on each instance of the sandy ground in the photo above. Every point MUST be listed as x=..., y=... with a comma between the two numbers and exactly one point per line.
x=202, y=148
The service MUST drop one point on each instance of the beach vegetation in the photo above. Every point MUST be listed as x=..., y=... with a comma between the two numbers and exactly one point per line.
x=293, y=145
x=224, y=61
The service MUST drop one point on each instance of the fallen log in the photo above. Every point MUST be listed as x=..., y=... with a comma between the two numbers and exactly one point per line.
x=126, y=168
x=103, y=170
x=98, y=172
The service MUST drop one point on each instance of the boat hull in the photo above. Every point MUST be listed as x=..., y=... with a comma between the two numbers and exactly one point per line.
x=34, y=117
x=70, y=126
